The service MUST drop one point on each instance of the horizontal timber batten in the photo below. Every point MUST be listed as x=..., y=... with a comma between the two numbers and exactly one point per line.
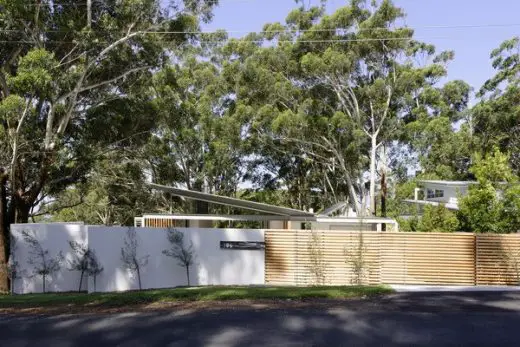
x=391, y=257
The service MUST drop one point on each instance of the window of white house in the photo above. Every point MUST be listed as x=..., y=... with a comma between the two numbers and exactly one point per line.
x=437, y=193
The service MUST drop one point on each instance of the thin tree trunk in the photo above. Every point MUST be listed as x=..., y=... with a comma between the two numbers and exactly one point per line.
x=373, y=154
x=4, y=234
x=44, y=283
x=384, y=188
x=188, y=274
x=383, y=198
x=81, y=281
x=139, y=278
x=89, y=13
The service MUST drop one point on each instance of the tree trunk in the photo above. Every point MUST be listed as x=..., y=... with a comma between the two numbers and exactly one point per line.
x=383, y=198
x=44, y=283
x=80, y=281
x=22, y=210
x=89, y=13
x=139, y=278
x=12, y=281
x=4, y=234
x=373, y=154
x=188, y=274
x=384, y=188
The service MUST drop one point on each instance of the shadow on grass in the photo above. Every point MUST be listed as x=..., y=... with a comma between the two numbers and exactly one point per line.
x=186, y=294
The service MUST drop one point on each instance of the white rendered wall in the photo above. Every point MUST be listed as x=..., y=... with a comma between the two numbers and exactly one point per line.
x=54, y=238
x=213, y=266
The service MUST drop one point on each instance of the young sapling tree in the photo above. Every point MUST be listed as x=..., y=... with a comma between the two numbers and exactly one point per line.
x=94, y=267
x=129, y=255
x=39, y=258
x=180, y=250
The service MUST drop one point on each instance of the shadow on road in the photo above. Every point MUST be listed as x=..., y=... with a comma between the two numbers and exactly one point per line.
x=399, y=319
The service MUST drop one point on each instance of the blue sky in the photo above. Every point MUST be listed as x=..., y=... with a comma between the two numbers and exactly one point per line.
x=472, y=46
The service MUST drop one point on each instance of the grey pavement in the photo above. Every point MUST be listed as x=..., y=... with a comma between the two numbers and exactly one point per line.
x=402, y=319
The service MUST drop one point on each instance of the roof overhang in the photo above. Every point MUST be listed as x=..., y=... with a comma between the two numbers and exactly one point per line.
x=449, y=206
x=249, y=218
x=356, y=220
x=233, y=202
x=238, y=217
x=447, y=183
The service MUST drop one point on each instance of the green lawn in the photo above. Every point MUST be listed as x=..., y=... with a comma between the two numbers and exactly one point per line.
x=110, y=300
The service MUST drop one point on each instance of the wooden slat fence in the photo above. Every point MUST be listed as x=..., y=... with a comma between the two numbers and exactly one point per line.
x=392, y=258
x=289, y=258
x=498, y=259
x=428, y=258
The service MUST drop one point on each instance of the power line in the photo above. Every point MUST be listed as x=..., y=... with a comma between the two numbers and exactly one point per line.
x=287, y=41
x=53, y=3
x=281, y=31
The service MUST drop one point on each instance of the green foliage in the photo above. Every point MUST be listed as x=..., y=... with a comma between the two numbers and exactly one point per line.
x=36, y=74
x=317, y=264
x=438, y=219
x=496, y=118
x=356, y=256
x=492, y=204
x=493, y=169
x=481, y=210
x=408, y=224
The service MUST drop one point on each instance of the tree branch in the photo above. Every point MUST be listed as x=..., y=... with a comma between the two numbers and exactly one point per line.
x=59, y=208
x=123, y=75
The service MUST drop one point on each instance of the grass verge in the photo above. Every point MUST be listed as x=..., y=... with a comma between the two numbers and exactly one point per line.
x=134, y=299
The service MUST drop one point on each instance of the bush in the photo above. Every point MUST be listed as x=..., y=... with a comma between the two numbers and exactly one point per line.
x=438, y=219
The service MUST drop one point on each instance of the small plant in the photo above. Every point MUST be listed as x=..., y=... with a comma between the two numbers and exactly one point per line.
x=184, y=254
x=80, y=261
x=85, y=262
x=94, y=267
x=356, y=257
x=317, y=265
x=43, y=264
x=129, y=256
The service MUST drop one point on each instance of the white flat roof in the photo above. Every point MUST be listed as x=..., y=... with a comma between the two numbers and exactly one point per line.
x=448, y=205
x=448, y=183
x=355, y=220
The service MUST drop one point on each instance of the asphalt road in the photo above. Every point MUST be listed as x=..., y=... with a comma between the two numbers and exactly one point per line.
x=418, y=319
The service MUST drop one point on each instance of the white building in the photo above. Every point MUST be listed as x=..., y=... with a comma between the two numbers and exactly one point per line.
x=432, y=192
x=270, y=217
